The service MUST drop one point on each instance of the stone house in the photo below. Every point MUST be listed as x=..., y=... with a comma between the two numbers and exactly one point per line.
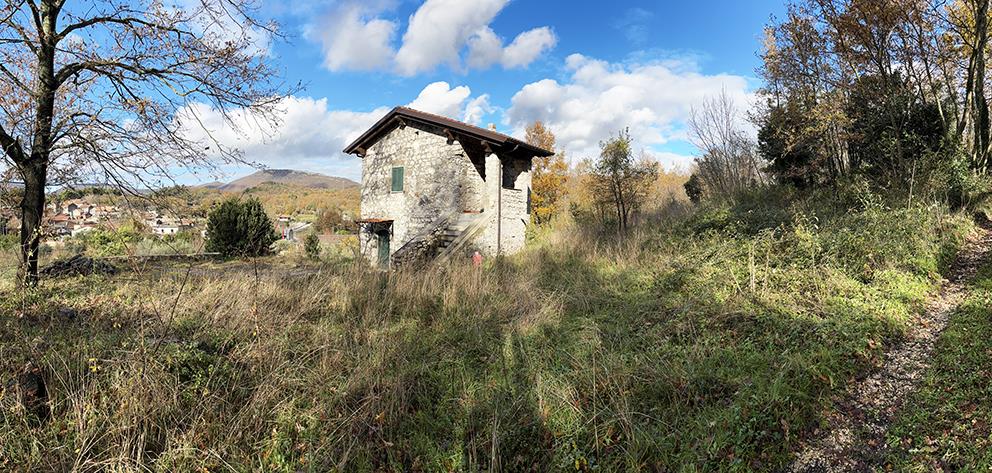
x=437, y=187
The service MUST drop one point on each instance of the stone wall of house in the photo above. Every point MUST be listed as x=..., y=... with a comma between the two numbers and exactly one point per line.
x=510, y=191
x=442, y=179
x=439, y=179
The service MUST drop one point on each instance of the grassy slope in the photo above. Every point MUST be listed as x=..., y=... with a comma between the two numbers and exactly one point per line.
x=946, y=425
x=710, y=344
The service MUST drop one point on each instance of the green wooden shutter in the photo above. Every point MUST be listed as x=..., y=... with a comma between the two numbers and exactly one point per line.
x=398, y=179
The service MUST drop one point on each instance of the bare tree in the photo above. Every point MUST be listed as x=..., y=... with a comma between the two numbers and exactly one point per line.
x=107, y=88
x=729, y=163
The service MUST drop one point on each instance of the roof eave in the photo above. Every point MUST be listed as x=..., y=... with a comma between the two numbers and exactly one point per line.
x=359, y=146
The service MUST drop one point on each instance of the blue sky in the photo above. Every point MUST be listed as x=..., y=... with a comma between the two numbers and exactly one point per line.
x=586, y=68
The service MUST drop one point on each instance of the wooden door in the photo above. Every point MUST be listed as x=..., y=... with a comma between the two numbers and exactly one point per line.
x=382, y=238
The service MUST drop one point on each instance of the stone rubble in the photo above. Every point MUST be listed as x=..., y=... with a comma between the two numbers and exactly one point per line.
x=78, y=265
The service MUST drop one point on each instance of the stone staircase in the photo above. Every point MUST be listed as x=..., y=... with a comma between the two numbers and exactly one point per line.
x=442, y=239
x=455, y=229
x=458, y=235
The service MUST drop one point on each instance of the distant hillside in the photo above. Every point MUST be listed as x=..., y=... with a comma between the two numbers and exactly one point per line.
x=290, y=177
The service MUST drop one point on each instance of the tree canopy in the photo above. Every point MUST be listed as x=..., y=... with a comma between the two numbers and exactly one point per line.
x=549, y=177
x=112, y=88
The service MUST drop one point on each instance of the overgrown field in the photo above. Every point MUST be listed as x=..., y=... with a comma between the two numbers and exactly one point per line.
x=706, y=342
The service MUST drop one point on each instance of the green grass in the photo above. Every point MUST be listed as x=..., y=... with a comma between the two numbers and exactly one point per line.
x=946, y=425
x=710, y=343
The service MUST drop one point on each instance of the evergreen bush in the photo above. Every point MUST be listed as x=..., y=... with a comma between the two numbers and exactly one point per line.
x=240, y=228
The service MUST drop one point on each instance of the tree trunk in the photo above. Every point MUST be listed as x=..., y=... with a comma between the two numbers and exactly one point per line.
x=981, y=105
x=32, y=211
x=34, y=169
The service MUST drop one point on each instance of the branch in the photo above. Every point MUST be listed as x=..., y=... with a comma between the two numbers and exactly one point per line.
x=36, y=15
x=98, y=67
x=127, y=21
x=25, y=37
x=11, y=147
x=13, y=78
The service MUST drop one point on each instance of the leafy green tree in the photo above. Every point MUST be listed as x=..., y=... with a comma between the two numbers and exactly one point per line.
x=619, y=180
x=694, y=188
x=311, y=246
x=794, y=154
x=240, y=228
x=896, y=138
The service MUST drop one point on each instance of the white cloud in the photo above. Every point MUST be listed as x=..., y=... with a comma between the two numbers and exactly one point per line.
x=352, y=40
x=673, y=161
x=439, y=98
x=478, y=108
x=309, y=135
x=485, y=48
x=438, y=31
x=354, y=36
x=528, y=46
x=653, y=99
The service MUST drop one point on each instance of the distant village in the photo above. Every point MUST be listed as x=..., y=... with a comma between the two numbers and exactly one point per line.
x=298, y=203
x=74, y=217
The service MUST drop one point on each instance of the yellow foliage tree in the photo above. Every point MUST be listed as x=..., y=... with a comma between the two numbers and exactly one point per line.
x=549, y=178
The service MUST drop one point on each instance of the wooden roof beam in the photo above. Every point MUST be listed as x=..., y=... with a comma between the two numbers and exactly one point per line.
x=450, y=135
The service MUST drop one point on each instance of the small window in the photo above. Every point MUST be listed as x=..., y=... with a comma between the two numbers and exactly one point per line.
x=397, y=179
x=528, y=200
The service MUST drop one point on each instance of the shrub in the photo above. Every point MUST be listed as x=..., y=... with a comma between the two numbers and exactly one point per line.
x=694, y=188
x=328, y=221
x=240, y=228
x=107, y=242
x=9, y=242
x=311, y=246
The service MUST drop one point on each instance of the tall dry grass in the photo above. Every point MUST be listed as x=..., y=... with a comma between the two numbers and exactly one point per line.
x=196, y=370
x=710, y=340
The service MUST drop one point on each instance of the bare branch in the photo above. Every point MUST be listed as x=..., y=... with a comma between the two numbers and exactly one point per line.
x=11, y=147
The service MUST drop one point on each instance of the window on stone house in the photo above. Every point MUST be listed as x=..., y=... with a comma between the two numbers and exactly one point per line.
x=397, y=179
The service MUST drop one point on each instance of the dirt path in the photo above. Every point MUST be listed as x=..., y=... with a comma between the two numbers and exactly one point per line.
x=855, y=440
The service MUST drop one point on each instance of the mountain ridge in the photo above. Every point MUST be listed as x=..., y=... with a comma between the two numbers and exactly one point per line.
x=307, y=179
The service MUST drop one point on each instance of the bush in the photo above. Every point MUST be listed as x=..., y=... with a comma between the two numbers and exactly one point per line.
x=311, y=246
x=240, y=228
x=9, y=242
x=107, y=242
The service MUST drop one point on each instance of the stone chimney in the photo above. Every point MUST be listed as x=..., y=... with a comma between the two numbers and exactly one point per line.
x=492, y=126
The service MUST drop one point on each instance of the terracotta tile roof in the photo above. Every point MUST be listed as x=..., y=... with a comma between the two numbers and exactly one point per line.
x=373, y=220
x=397, y=114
